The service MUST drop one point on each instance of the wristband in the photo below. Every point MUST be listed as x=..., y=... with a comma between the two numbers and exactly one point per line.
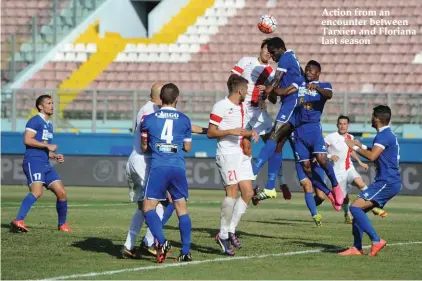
x=329, y=156
x=364, y=147
x=355, y=148
x=204, y=131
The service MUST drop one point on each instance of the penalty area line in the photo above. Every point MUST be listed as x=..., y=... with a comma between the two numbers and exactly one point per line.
x=225, y=259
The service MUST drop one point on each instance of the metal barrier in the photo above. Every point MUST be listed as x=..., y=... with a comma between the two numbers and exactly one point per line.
x=94, y=109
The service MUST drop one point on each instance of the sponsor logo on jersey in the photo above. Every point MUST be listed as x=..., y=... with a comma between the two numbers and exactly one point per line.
x=167, y=115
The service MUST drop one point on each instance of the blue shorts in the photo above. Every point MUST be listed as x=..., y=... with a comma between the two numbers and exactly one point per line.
x=380, y=192
x=288, y=112
x=36, y=171
x=309, y=140
x=166, y=178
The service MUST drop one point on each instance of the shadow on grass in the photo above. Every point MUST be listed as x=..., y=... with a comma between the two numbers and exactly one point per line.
x=212, y=232
x=316, y=245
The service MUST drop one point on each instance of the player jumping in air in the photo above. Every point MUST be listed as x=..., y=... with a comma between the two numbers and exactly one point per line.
x=37, y=168
x=227, y=124
x=309, y=141
x=385, y=152
x=287, y=80
x=167, y=133
x=259, y=73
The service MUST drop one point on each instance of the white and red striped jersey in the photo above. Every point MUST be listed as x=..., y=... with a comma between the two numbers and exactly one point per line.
x=257, y=74
x=336, y=145
x=227, y=115
x=146, y=110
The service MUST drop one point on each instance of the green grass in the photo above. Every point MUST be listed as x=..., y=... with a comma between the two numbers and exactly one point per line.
x=100, y=218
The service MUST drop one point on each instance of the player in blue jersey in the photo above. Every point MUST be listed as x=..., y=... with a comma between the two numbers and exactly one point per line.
x=167, y=132
x=385, y=153
x=37, y=168
x=309, y=141
x=288, y=74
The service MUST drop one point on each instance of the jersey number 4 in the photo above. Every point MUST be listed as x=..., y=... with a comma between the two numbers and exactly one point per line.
x=167, y=133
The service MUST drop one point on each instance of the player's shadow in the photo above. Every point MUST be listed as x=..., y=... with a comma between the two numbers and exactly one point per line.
x=198, y=248
x=212, y=232
x=99, y=245
x=7, y=226
x=292, y=220
x=325, y=247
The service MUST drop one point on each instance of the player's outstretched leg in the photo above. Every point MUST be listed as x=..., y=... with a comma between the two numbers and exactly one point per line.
x=279, y=131
x=128, y=250
x=317, y=178
x=274, y=165
x=57, y=188
x=329, y=171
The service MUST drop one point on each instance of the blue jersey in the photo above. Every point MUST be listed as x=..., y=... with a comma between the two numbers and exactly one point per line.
x=289, y=64
x=312, y=103
x=43, y=130
x=167, y=130
x=387, y=164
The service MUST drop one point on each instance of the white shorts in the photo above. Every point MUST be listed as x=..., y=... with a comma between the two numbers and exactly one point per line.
x=234, y=168
x=259, y=120
x=137, y=169
x=346, y=178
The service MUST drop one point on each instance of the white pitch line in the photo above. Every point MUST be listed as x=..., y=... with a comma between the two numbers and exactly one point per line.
x=151, y=267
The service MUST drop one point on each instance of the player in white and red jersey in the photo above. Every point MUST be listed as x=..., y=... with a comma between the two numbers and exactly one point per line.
x=227, y=124
x=341, y=155
x=137, y=168
x=259, y=72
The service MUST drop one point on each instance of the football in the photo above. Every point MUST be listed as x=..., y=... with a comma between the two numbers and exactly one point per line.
x=267, y=24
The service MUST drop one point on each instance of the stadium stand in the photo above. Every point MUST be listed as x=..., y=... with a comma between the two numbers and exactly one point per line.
x=204, y=53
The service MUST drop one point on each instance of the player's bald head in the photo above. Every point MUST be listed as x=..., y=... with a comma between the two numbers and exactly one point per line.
x=156, y=90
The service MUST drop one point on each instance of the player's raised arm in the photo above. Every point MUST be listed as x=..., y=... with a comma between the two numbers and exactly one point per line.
x=285, y=91
x=371, y=155
x=29, y=140
x=214, y=133
x=326, y=92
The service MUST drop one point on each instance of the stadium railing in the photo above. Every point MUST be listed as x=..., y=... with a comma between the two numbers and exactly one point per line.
x=108, y=109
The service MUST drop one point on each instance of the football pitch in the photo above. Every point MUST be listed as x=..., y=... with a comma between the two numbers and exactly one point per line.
x=280, y=240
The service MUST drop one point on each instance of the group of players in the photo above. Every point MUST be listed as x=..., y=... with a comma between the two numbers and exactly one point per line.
x=156, y=168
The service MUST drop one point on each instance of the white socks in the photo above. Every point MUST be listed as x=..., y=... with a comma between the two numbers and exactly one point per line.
x=226, y=216
x=136, y=225
x=238, y=211
x=345, y=208
x=149, y=238
x=135, y=228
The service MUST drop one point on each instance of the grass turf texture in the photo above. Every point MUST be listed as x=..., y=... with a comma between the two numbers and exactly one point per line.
x=100, y=218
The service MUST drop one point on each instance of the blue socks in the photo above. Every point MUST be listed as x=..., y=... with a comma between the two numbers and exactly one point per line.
x=263, y=156
x=362, y=221
x=155, y=225
x=331, y=175
x=26, y=205
x=357, y=234
x=185, y=228
x=317, y=178
x=168, y=211
x=274, y=164
x=61, y=207
x=310, y=203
